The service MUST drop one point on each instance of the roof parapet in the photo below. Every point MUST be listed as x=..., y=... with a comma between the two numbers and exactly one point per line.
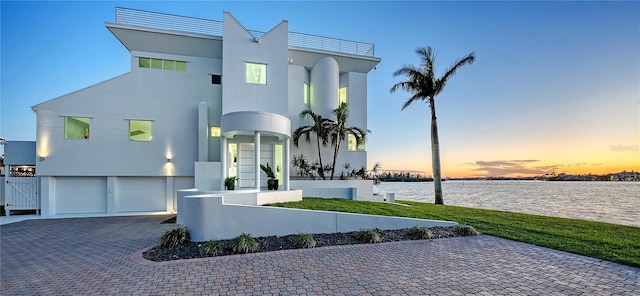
x=172, y=22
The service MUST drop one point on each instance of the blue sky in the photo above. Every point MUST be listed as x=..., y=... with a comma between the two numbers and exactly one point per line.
x=555, y=86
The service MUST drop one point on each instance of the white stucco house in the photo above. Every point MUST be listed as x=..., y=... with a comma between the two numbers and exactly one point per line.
x=203, y=100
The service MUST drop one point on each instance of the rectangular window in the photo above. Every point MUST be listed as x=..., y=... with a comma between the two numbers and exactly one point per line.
x=353, y=145
x=156, y=64
x=181, y=66
x=306, y=95
x=216, y=79
x=76, y=127
x=214, y=131
x=342, y=95
x=144, y=62
x=169, y=65
x=256, y=73
x=140, y=130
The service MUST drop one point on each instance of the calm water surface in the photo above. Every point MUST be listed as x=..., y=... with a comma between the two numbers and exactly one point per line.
x=612, y=202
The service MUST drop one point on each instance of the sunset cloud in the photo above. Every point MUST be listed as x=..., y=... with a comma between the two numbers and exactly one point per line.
x=512, y=167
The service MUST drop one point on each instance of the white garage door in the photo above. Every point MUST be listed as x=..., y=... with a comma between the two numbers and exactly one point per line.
x=142, y=194
x=75, y=195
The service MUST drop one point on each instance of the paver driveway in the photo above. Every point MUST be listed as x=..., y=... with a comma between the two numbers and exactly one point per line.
x=96, y=256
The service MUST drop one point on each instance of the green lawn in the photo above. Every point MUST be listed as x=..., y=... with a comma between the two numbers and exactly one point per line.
x=612, y=242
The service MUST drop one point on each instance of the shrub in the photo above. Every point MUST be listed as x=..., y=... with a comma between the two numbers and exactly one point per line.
x=244, y=243
x=304, y=240
x=419, y=232
x=174, y=237
x=210, y=249
x=465, y=230
x=367, y=236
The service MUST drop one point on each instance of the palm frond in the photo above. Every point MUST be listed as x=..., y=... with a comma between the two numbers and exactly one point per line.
x=452, y=71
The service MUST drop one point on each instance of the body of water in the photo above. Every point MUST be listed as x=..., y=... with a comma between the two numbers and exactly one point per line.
x=612, y=202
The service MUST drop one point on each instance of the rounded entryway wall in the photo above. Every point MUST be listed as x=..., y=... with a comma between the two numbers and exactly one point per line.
x=325, y=80
x=250, y=139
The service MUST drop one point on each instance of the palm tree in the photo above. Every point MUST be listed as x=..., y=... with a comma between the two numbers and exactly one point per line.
x=320, y=127
x=424, y=85
x=339, y=130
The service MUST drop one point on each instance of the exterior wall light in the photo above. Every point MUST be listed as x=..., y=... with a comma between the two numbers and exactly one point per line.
x=168, y=159
x=41, y=158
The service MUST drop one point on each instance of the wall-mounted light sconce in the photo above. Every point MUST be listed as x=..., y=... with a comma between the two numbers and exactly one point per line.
x=41, y=158
x=168, y=159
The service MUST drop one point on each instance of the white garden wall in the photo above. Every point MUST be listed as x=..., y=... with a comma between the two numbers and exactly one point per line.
x=208, y=217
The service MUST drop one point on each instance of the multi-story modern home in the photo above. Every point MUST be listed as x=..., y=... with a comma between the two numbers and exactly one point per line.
x=204, y=100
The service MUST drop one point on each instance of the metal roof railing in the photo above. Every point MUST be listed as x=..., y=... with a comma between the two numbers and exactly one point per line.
x=172, y=22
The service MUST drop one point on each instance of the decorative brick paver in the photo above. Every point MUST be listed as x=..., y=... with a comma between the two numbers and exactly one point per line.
x=102, y=256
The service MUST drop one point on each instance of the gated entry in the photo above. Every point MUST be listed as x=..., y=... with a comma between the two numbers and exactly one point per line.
x=21, y=192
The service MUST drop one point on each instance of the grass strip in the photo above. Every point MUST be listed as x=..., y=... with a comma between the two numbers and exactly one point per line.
x=611, y=242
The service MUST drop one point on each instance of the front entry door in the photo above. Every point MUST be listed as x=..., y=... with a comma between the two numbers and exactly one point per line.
x=246, y=166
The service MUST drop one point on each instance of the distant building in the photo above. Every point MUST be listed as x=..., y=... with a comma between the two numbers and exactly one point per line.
x=625, y=176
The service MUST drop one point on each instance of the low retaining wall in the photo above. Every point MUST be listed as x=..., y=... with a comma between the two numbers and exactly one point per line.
x=349, y=189
x=208, y=217
x=241, y=197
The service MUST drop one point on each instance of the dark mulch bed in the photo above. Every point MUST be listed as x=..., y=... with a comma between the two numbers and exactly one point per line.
x=276, y=243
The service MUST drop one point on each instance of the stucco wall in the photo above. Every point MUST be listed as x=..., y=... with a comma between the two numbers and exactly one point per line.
x=272, y=50
x=168, y=98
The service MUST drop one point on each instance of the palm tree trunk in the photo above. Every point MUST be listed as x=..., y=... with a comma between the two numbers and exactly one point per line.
x=321, y=171
x=335, y=157
x=435, y=155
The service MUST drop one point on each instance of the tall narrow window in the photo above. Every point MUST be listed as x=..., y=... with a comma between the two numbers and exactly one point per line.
x=353, y=145
x=140, y=130
x=342, y=95
x=256, y=73
x=214, y=131
x=351, y=142
x=306, y=95
x=76, y=127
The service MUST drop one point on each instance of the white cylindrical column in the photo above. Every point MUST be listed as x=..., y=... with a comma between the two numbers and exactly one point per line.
x=256, y=157
x=325, y=81
x=285, y=167
x=223, y=160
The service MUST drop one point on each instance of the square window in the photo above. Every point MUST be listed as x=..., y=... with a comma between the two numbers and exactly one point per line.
x=216, y=79
x=169, y=65
x=140, y=130
x=181, y=66
x=256, y=73
x=144, y=62
x=214, y=131
x=156, y=64
x=76, y=127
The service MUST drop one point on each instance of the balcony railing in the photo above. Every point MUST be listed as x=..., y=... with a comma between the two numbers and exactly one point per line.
x=129, y=16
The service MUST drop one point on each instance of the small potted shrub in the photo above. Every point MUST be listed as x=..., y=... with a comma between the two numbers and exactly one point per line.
x=272, y=182
x=230, y=182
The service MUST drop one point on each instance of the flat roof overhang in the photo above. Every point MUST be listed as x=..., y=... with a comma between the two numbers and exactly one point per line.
x=137, y=38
